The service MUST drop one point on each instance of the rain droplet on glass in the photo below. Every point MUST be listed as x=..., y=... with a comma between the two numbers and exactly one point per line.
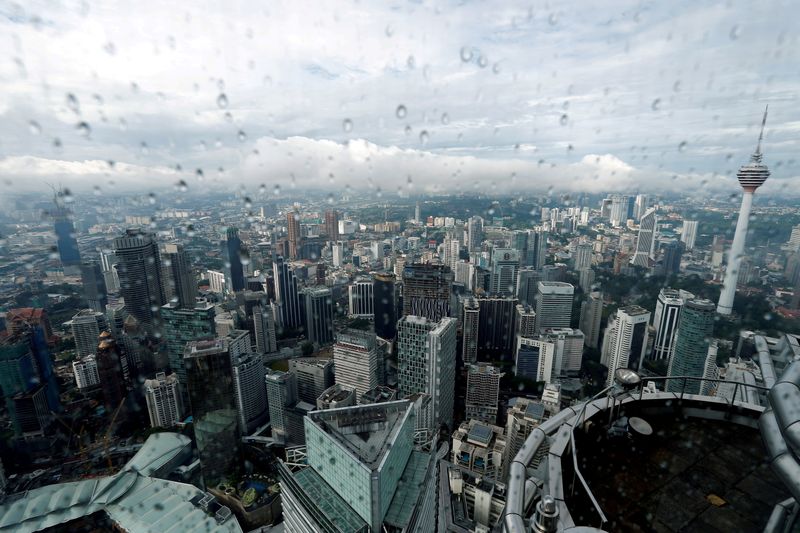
x=347, y=125
x=222, y=101
x=401, y=111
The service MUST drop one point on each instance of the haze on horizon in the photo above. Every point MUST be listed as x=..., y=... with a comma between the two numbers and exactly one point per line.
x=430, y=96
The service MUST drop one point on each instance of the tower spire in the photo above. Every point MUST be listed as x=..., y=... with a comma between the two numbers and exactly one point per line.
x=757, y=154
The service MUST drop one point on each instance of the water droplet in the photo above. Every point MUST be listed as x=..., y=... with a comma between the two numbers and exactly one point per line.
x=181, y=186
x=445, y=119
x=72, y=104
x=151, y=198
x=682, y=146
x=143, y=148
x=84, y=130
x=655, y=104
x=466, y=54
x=482, y=61
x=228, y=116
x=330, y=198
x=57, y=143
x=389, y=30
x=411, y=62
x=347, y=125
x=408, y=130
x=736, y=31
x=242, y=136
x=409, y=182
x=276, y=190
x=110, y=48
x=677, y=86
x=401, y=111
x=496, y=68
x=222, y=101
x=199, y=174
x=564, y=119
x=244, y=256
x=423, y=137
x=552, y=19
x=34, y=127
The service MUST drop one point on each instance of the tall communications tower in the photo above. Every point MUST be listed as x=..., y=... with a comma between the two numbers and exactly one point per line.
x=751, y=176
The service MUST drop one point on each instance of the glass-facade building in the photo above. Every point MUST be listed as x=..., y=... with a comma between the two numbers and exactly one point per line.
x=695, y=330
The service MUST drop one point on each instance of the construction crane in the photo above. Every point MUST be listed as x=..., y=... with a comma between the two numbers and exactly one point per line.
x=108, y=432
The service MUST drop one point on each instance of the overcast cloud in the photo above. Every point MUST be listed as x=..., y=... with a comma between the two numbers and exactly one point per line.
x=495, y=96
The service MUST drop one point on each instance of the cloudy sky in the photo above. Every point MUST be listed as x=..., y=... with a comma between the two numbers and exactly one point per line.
x=411, y=96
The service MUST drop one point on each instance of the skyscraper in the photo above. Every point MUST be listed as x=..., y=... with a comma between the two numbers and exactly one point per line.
x=332, y=225
x=232, y=254
x=621, y=209
x=527, y=285
x=483, y=392
x=384, y=292
x=361, y=298
x=451, y=252
x=537, y=248
x=689, y=233
x=184, y=325
x=496, y=326
x=626, y=340
x=94, y=286
x=85, y=372
x=286, y=295
x=751, y=176
x=110, y=361
x=671, y=260
x=86, y=327
x=591, y=315
x=694, y=336
x=426, y=362
x=249, y=391
x=583, y=256
x=281, y=396
x=417, y=218
x=264, y=329
x=211, y=393
x=65, y=234
x=358, y=361
x=295, y=236
x=470, y=325
x=314, y=375
x=645, y=242
x=318, y=313
x=505, y=263
x=179, y=283
x=665, y=320
x=475, y=233
x=164, y=400
x=426, y=291
x=139, y=269
x=554, y=305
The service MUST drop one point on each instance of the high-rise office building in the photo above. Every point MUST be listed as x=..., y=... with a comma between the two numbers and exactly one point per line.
x=318, y=313
x=535, y=358
x=94, y=286
x=66, y=240
x=553, y=305
x=215, y=420
x=751, y=176
x=177, y=277
x=110, y=369
x=385, y=304
x=665, y=320
x=475, y=233
x=620, y=210
x=692, y=340
x=181, y=326
x=646, y=240
x=483, y=392
x=426, y=291
x=672, y=252
x=470, y=324
x=426, y=362
x=264, y=329
x=505, y=263
x=139, y=269
x=536, y=252
x=164, y=400
x=358, y=361
x=496, y=326
x=582, y=259
x=689, y=233
x=591, y=316
x=527, y=285
x=85, y=372
x=314, y=375
x=281, y=397
x=626, y=340
x=287, y=297
x=232, y=254
x=639, y=206
x=249, y=391
x=361, y=298
x=86, y=327
x=337, y=254
x=568, y=354
x=451, y=252
x=332, y=225
x=376, y=444
x=295, y=236
x=524, y=321
x=417, y=217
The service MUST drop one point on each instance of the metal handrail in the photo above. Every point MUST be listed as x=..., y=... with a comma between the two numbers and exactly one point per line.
x=577, y=472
